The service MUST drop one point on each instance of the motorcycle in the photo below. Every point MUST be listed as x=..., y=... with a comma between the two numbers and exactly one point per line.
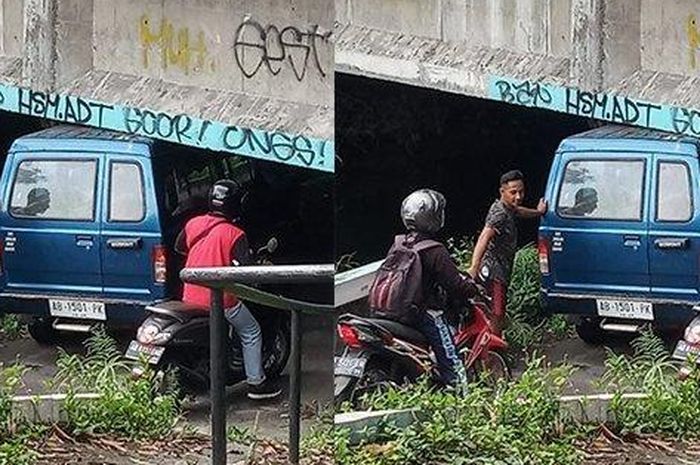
x=380, y=352
x=176, y=335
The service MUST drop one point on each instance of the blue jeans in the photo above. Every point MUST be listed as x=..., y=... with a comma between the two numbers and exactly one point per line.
x=250, y=334
x=436, y=330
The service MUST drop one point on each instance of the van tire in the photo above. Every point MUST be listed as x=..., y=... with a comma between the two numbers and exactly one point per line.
x=42, y=331
x=589, y=331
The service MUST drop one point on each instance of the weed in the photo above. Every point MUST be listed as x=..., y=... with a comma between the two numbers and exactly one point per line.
x=127, y=406
x=11, y=327
x=514, y=423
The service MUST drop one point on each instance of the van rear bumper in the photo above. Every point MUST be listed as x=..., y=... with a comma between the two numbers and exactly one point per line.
x=667, y=314
x=119, y=312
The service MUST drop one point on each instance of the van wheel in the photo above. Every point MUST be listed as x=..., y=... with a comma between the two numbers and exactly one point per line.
x=42, y=331
x=589, y=331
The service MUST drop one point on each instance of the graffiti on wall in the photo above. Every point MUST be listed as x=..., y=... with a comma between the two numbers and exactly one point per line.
x=274, y=48
x=298, y=150
x=606, y=107
x=168, y=46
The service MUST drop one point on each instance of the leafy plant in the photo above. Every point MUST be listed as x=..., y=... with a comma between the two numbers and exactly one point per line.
x=11, y=327
x=128, y=406
x=514, y=423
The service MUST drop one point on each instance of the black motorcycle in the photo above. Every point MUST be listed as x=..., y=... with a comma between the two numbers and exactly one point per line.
x=176, y=335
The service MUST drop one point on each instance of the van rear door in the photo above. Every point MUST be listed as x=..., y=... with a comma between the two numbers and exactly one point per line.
x=597, y=230
x=674, y=235
x=131, y=236
x=50, y=225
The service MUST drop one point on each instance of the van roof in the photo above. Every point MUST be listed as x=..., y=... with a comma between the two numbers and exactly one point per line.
x=69, y=137
x=626, y=138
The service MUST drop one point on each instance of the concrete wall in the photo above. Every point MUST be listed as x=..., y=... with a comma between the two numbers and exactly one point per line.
x=534, y=26
x=12, y=37
x=277, y=48
x=670, y=39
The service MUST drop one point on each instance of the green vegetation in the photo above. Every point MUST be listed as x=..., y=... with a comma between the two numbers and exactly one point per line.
x=11, y=327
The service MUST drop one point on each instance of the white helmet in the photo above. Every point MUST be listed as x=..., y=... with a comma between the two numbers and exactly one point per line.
x=424, y=211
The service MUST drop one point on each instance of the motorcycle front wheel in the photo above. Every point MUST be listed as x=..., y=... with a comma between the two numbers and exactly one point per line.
x=489, y=369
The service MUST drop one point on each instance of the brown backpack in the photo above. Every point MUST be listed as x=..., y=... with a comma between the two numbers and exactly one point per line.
x=397, y=288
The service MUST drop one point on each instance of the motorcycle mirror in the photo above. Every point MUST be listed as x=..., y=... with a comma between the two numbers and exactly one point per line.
x=272, y=244
x=485, y=272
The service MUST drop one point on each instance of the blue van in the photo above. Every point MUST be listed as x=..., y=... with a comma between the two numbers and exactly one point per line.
x=620, y=245
x=88, y=220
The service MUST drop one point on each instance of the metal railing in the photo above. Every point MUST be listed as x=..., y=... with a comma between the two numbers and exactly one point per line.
x=236, y=280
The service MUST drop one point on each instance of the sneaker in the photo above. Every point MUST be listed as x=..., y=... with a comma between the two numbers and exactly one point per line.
x=264, y=390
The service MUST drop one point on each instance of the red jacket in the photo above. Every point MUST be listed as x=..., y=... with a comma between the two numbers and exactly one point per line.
x=215, y=247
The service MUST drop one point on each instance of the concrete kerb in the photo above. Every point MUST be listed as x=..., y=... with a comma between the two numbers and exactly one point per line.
x=46, y=408
x=365, y=425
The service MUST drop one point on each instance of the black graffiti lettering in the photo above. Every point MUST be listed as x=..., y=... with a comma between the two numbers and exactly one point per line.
x=587, y=103
x=181, y=130
x=2, y=98
x=228, y=132
x=256, y=45
x=303, y=147
x=504, y=91
x=202, y=130
x=132, y=124
x=600, y=105
x=648, y=109
x=283, y=150
x=254, y=140
x=686, y=121
x=101, y=107
x=53, y=102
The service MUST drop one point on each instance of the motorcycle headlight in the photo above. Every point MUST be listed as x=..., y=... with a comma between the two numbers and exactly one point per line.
x=152, y=335
x=692, y=333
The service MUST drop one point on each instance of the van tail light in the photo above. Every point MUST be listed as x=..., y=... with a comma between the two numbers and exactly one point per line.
x=349, y=335
x=543, y=253
x=160, y=266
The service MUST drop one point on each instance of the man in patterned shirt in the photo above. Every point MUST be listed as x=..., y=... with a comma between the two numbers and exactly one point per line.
x=498, y=240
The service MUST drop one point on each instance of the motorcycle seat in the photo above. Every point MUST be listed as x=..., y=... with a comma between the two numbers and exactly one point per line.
x=399, y=330
x=179, y=310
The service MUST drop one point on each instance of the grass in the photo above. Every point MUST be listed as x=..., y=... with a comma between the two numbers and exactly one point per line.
x=11, y=327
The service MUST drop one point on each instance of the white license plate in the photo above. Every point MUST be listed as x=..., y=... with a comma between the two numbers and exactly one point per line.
x=350, y=366
x=625, y=309
x=683, y=350
x=136, y=350
x=78, y=309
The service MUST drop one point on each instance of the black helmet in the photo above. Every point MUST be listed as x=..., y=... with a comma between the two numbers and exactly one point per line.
x=225, y=198
x=424, y=211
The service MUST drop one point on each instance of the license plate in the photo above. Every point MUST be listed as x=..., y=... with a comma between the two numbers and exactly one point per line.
x=350, y=366
x=625, y=309
x=683, y=350
x=77, y=309
x=136, y=349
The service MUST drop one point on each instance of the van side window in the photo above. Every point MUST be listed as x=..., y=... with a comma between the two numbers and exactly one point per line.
x=126, y=201
x=674, y=202
x=602, y=189
x=54, y=189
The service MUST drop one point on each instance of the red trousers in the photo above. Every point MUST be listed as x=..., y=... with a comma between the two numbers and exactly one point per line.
x=499, y=294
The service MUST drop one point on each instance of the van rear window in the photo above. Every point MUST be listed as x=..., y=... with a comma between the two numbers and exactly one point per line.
x=602, y=189
x=54, y=189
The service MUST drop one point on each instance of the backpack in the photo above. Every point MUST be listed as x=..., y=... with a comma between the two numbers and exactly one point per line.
x=397, y=288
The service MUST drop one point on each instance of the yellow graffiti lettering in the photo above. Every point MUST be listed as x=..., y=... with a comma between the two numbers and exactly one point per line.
x=173, y=46
x=691, y=29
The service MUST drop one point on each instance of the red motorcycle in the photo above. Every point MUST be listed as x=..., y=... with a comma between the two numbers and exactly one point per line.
x=380, y=352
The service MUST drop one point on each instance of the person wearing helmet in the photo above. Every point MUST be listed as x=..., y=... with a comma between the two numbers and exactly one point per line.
x=498, y=240
x=215, y=239
x=423, y=215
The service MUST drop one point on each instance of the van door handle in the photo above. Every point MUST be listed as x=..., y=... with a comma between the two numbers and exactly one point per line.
x=121, y=243
x=632, y=241
x=666, y=243
x=84, y=241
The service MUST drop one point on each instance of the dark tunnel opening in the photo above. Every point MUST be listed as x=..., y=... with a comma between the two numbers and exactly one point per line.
x=393, y=138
